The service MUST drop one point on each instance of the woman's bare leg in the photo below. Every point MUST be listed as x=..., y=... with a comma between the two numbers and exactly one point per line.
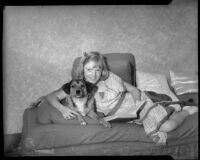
x=177, y=119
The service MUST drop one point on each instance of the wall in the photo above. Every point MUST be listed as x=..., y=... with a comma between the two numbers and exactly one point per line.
x=41, y=42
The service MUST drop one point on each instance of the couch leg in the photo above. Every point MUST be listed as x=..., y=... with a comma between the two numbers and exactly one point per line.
x=11, y=142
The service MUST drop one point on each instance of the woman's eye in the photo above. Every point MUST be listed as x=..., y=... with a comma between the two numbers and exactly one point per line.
x=72, y=86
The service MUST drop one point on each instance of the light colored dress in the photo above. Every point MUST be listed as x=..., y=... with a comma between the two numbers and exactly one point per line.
x=109, y=93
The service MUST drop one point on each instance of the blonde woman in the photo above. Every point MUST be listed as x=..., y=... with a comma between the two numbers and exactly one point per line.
x=93, y=68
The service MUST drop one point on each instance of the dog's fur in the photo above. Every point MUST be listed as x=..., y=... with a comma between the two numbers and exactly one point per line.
x=81, y=99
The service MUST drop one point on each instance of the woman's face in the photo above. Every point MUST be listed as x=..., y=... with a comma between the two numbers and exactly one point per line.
x=92, y=72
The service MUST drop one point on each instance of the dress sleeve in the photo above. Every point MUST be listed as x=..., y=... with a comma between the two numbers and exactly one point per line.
x=114, y=82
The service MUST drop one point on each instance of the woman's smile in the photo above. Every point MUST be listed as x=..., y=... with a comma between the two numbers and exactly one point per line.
x=92, y=72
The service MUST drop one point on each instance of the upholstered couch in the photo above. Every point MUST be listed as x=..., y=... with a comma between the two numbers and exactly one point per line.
x=122, y=139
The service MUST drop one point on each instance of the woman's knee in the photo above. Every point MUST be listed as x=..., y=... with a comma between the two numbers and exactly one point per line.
x=168, y=126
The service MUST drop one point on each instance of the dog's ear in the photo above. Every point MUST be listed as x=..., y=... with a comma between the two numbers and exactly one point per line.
x=91, y=88
x=66, y=87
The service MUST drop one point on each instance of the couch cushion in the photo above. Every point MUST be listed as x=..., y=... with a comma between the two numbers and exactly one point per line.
x=47, y=114
x=122, y=64
x=190, y=98
x=41, y=136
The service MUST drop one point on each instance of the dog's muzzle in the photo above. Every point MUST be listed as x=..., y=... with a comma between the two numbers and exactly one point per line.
x=79, y=94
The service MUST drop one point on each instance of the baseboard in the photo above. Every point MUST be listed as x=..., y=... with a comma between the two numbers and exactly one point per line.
x=11, y=142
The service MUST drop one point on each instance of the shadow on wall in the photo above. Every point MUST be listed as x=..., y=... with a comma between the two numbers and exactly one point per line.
x=40, y=44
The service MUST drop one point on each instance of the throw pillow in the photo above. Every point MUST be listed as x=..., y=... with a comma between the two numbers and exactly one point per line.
x=156, y=82
x=183, y=83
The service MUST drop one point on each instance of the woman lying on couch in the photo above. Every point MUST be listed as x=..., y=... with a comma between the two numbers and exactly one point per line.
x=93, y=68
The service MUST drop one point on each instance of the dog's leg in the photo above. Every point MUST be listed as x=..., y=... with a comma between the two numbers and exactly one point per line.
x=71, y=105
x=95, y=117
x=81, y=120
x=92, y=114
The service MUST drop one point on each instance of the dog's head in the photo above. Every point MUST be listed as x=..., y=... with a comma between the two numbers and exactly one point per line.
x=79, y=88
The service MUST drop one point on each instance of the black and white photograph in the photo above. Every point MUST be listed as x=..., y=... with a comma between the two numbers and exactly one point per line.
x=101, y=80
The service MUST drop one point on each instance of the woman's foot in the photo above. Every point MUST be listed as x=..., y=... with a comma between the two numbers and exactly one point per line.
x=191, y=109
x=159, y=138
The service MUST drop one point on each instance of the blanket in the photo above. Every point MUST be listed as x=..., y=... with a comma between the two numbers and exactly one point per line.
x=153, y=113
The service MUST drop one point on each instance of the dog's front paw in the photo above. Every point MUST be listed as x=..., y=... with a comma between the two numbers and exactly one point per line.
x=83, y=123
x=105, y=123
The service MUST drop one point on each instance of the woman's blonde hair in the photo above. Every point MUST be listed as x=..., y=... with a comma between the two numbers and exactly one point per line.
x=92, y=56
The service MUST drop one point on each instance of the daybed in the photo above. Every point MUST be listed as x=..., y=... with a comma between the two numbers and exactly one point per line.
x=122, y=139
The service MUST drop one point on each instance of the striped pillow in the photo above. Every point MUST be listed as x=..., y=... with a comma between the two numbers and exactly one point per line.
x=184, y=82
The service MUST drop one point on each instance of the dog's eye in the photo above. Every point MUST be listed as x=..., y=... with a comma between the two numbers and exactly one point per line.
x=73, y=86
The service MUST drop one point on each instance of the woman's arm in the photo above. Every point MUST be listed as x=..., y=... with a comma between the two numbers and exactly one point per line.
x=54, y=99
x=115, y=82
x=133, y=90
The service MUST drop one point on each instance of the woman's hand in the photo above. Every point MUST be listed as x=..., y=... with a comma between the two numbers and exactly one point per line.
x=54, y=99
x=68, y=113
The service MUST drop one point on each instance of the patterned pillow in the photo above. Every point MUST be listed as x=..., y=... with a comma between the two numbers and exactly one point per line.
x=184, y=83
